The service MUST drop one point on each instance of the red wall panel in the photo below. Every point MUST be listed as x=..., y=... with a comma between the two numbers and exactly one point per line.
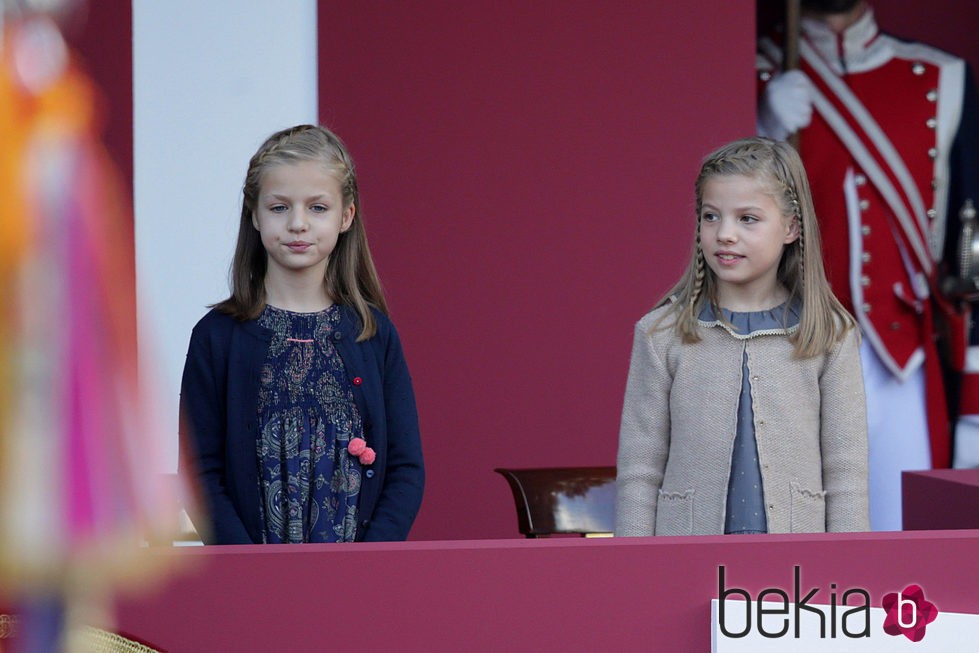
x=527, y=172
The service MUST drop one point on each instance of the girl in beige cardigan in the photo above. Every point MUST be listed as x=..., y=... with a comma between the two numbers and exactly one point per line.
x=744, y=408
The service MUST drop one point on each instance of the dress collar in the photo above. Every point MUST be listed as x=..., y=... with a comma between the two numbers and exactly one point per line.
x=780, y=320
x=349, y=325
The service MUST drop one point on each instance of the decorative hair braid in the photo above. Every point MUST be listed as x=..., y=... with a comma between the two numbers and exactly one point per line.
x=698, y=282
x=274, y=146
x=789, y=193
x=794, y=201
x=802, y=254
x=796, y=214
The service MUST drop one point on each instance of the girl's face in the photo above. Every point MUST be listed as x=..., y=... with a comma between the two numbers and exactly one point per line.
x=742, y=235
x=300, y=215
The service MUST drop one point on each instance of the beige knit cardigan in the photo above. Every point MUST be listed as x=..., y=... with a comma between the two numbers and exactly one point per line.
x=680, y=417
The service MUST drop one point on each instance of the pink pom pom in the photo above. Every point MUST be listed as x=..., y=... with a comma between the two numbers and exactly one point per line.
x=368, y=456
x=357, y=446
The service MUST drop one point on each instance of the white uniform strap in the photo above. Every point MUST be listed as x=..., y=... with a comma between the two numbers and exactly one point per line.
x=913, y=220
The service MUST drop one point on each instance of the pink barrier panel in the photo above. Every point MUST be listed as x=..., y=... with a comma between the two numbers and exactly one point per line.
x=636, y=594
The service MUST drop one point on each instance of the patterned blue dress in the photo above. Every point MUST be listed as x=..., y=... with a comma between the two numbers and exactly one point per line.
x=309, y=483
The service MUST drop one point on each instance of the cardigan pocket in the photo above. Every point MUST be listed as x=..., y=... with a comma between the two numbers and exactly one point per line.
x=808, y=510
x=674, y=513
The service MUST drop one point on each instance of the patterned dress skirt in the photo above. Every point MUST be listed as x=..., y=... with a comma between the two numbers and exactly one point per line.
x=309, y=483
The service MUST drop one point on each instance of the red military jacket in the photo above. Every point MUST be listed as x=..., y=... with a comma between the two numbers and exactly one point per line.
x=879, y=153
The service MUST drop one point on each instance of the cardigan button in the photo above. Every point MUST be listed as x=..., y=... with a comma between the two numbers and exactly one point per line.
x=358, y=380
x=337, y=335
x=369, y=473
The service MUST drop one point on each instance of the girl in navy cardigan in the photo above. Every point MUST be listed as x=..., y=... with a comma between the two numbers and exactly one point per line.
x=297, y=406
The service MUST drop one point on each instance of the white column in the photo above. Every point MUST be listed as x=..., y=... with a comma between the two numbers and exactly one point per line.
x=210, y=81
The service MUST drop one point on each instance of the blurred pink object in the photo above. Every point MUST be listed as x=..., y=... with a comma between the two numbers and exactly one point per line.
x=81, y=478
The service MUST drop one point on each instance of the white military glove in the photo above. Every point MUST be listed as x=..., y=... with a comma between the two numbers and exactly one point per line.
x=786, y=105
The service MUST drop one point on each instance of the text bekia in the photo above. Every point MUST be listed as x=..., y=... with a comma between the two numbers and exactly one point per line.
x=774, y=613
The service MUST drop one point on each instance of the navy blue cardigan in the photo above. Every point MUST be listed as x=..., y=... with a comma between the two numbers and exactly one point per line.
x=218, y=406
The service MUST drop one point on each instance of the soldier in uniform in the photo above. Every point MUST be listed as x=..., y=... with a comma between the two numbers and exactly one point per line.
x=888, y=133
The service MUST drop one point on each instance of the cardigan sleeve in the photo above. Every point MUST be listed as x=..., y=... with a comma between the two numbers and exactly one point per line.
x=644, y=438
x=843, y=438
x=203, y=424
x=404, y=477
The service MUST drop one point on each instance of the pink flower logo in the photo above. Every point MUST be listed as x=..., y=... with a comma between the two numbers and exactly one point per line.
x=908, y=613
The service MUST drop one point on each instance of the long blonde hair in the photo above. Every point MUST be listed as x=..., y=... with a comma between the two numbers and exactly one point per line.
x=351, y=278
x=824, y=320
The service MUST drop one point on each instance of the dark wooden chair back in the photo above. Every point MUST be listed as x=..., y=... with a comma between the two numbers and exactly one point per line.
x=563, y=500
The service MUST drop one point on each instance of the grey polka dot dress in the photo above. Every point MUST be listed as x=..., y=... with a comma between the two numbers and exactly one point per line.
x=745, y=513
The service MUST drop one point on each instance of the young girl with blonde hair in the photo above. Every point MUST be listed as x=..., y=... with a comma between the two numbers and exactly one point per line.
x=744, y=408
x=297, y=406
